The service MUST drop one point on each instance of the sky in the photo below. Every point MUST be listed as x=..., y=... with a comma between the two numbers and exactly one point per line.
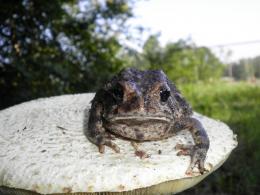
x=207, y=22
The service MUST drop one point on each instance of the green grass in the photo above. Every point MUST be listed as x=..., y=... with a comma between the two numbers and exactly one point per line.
x=238, y=105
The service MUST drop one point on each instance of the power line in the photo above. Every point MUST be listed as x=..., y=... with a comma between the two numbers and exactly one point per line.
x=237, y=43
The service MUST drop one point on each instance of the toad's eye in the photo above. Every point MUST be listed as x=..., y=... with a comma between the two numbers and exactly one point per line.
x=118, y=92
x=164, y=94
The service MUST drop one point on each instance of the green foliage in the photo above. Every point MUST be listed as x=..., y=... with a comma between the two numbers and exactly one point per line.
x=55, y=47
x=246, y=69
x=236, y=104
x=188, y=63
x=256, y=66
x=182, y=61
x=153, y=54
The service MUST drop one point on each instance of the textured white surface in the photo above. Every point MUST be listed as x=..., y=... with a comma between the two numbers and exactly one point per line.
x=43, y=148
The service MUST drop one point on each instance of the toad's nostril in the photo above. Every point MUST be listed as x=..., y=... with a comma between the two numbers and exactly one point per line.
x=151, y=110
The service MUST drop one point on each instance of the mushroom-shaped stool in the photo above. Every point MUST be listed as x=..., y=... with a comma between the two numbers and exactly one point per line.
x=43, y=149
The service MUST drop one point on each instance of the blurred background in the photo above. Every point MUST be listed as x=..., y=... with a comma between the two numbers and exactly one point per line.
x=210, y=49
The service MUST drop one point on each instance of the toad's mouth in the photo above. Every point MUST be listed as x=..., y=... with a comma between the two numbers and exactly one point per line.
x=140, y=119
x=141, y=128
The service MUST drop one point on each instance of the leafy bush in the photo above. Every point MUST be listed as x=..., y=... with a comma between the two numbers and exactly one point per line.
x=238, y=105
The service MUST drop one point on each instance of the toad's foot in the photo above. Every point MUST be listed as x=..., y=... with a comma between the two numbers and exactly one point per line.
x=140, y=153
x=197, y=154
x=106, y=141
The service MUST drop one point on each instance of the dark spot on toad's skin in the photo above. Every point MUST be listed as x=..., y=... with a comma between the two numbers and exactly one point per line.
x=143, y=106
x=196, y=133
x=139, y=135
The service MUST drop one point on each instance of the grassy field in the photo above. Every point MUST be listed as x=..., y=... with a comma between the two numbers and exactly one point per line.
x=238, y=105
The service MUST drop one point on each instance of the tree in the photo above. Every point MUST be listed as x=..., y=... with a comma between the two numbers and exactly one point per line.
x=256, y=65
x=244, y=69
x=209, y=66
x=54, y=47
x=183, y=61
x=153, y=53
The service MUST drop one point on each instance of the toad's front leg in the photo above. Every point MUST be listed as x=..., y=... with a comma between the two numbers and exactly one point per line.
x=198, y=151
x=96, y=132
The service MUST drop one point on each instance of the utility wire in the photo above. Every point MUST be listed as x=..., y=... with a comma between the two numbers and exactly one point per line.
x=236, y=43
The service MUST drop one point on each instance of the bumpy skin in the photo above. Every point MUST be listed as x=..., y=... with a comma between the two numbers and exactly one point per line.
x=142, y=106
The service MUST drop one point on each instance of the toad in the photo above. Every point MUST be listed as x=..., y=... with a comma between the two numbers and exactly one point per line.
x=145, y=106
